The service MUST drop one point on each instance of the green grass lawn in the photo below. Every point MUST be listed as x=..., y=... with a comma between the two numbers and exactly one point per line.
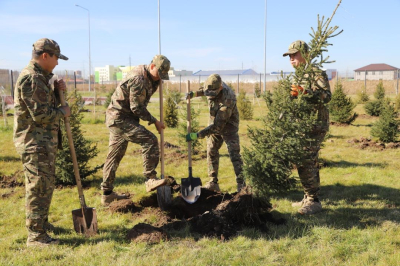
x=360, y=194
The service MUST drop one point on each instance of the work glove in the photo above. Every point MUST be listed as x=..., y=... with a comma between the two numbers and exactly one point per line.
x=295, y=90
x=191, y=136
x=190, y=95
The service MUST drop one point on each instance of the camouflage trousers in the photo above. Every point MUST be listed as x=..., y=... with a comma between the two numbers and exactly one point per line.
x=214, y=143
x=309, y=168
x=39, y=170
x=121, y=134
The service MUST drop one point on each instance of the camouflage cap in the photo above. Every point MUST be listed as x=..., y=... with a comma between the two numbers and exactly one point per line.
x=162, y=63
x=296, y=46
x=48, y=46
x=212, y=85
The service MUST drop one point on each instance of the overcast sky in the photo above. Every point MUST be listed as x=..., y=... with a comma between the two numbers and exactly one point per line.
x=198, y=35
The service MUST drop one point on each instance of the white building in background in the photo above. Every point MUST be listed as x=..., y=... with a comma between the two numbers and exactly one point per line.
x=377, y=72
x=176, y=73
x=125, y=70
x=105, y=74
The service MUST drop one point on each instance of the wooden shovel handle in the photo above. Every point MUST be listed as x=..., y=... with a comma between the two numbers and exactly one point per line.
x=73, y=154
x=162, y=130
x=189, y=126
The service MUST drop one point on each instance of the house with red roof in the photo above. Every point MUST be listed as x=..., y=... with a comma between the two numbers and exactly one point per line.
x=377, y=72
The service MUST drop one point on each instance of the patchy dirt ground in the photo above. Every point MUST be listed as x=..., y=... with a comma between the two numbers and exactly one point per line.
x=14, y=180
x=219, y=215
x=367, y=143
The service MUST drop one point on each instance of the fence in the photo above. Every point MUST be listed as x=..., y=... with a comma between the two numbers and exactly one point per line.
x=248, y=83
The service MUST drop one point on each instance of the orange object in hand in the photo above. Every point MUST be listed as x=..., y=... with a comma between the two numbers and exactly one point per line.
x=295, y=90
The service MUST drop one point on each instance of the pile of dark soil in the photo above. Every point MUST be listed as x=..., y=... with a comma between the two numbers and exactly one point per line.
x=215, y=214
x=146, y=233
x=124, y=206
x=11, y=181
x=367, y=143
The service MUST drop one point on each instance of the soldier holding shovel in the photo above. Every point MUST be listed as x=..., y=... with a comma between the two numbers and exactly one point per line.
x=223, y=127
x=128, y=106
x=36, y=135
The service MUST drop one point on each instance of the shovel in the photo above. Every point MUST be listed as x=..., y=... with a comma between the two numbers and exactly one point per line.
x=85, y=218
x=191, y=186
x=164, y=192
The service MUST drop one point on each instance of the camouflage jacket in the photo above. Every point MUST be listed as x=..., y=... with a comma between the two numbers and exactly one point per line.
x=132, y=96
x=224, y=115
x=36, y=113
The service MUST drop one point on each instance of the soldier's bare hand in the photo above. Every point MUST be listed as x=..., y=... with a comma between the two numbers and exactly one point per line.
x=66, y=110
x=159, y=126
x=60, y=85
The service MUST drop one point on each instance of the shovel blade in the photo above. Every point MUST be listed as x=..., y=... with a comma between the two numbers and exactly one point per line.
x=164, y=197
x=190, y=189
x=85, y=221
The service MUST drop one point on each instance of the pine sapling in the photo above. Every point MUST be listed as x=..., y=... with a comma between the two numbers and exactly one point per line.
x=279, y=144
x=245, y=107
x=341, y=106
x=386, y=129
x=85, y=150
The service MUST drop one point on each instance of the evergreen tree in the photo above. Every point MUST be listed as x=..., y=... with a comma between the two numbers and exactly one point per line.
x=196, y=144
x=386, y=129
x=245, y=107
x=108, y=99
x=170, y=108
x=257, y=90
x=341, y=106
x=362, y=96
x=379, y=93
x=279, y=144
x=85, y=150
x=374, y=107
x=397, y=103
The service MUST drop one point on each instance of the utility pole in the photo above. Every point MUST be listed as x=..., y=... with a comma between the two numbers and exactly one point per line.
x=12, y=84
x=365, y=81
x=90, y=61
x=397, y=87
x=265, y=49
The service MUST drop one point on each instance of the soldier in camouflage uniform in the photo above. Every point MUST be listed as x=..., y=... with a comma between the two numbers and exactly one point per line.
x=223, y=126
x=128, y=106
x=36, y=135
x=320, y=95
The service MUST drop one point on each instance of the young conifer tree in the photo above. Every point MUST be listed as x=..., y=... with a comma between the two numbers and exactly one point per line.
x=362, y=96
x=375, y=107
x=245, y=107
x=386, y=129
x=279, y=144
x=341, y=106
x=171, y=109
x=84, y=148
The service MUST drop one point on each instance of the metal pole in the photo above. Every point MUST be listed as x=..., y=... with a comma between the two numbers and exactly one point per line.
x=75, y=80
x=365, y=81
x=397, y=87
x=12, y=84
x=265, y=48
x=159, y=29
x=180, y=83
x=90, y=61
